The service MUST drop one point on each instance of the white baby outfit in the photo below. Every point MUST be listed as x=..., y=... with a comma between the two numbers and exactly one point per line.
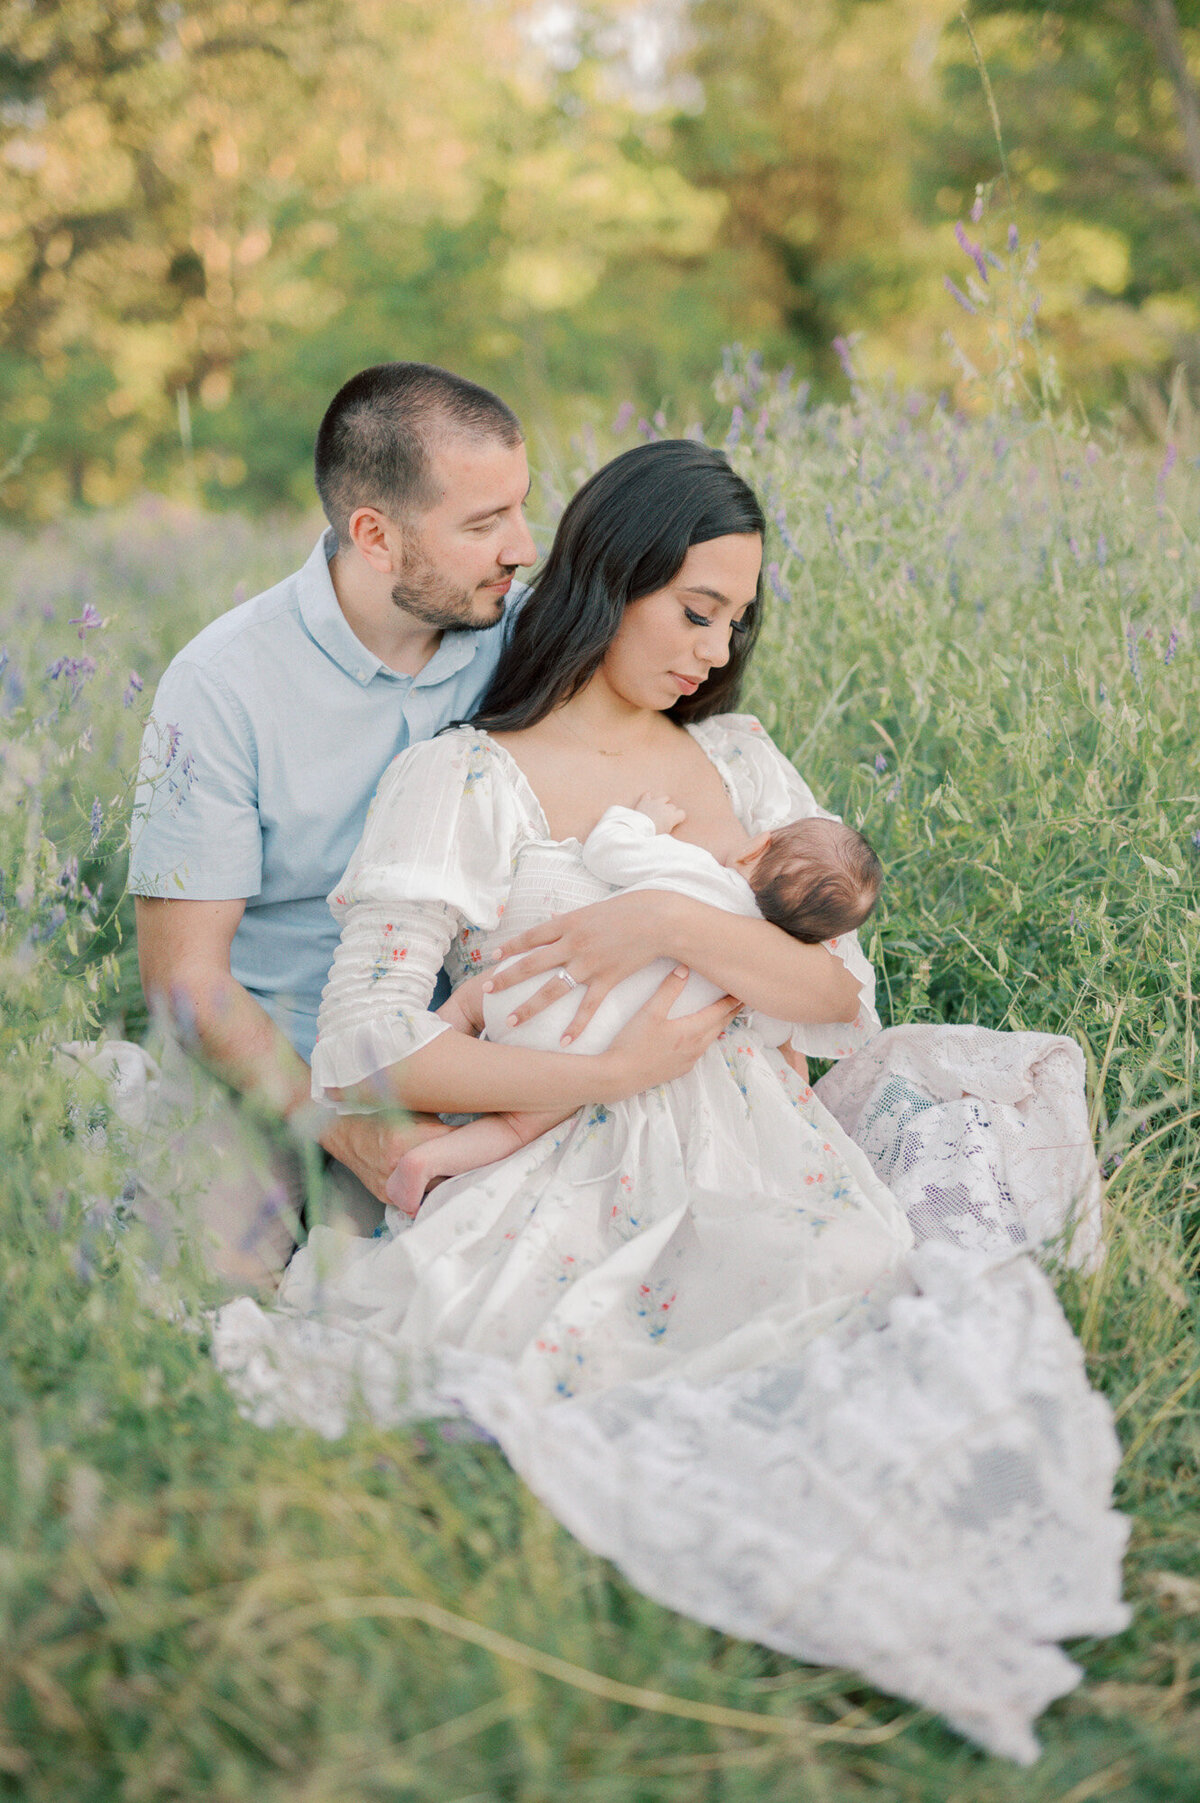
x=625, y=851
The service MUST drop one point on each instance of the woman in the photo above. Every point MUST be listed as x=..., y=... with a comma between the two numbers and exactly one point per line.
x=693, y=1314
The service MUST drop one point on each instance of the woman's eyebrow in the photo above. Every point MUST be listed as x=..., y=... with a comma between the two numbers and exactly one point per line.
x=714, y=594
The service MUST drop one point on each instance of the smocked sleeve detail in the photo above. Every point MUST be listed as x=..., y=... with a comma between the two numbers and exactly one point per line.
x=436, y=856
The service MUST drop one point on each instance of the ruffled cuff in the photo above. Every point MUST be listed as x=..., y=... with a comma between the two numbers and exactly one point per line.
x=355, y=1053
x=838, y=1038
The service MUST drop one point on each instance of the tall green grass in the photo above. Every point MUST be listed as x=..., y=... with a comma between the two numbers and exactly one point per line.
x=982, y=646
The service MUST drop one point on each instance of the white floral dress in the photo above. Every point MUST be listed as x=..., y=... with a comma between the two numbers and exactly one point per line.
x=696, y=1320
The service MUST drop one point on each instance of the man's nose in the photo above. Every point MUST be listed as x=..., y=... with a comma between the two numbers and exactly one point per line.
x=519, y=547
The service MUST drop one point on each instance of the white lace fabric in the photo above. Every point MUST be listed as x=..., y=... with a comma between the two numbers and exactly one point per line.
x=782, y=1355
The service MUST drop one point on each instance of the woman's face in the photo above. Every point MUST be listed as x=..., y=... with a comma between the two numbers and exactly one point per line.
x=668, y=642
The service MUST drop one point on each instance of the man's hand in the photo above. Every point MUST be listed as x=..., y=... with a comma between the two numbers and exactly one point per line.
x=372, y=1148
x=661, y=810
x=464, y=1009
x=600, y=945
x=652, y=1048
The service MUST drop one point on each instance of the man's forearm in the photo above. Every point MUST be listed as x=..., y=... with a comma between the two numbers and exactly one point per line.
x=221, y=1023
x=759, y=963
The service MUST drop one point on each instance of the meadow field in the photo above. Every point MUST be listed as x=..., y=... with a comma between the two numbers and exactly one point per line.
x=983, y=645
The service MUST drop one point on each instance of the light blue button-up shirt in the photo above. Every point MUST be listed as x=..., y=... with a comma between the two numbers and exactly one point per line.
x=268, y=735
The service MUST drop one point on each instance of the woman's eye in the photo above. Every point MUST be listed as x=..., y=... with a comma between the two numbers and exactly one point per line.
x=739, y=626
x=695, y=619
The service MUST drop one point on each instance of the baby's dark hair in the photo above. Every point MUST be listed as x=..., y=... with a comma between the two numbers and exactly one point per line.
x=817, y=879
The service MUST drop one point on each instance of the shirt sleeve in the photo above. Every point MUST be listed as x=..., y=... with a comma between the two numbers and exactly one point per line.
x=195, y=832
x=768, y=792
x=436, y=855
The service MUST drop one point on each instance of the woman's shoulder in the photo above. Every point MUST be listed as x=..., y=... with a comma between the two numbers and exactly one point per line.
x=768, y=790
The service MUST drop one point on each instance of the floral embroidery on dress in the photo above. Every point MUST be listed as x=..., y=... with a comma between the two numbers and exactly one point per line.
x=652, y=1305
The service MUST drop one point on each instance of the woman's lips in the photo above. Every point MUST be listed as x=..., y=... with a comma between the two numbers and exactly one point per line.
x=689, y=684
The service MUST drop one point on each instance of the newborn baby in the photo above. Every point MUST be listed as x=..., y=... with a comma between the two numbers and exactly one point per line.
x=816, y=879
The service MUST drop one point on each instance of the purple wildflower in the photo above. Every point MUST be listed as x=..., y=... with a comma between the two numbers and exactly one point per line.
x=1073, y=546
x=68, y=876
x=960, y=297
x=977, y=209
x=785, y=534
x=88, y=620
x=760, y=427
x=647, y=430
x=842, y=348
x=625, y=413
x=1131, y=643
x=660, y=420
x=778, y=586
x=75, y=669
x=894, y=791
x=972, y=250
x=96, y=822
x=880, y=763
x=133, y=688
x=1168, y=464
x=737, y=420
x=1091, y=455
x=1014, y=238
x=172, y=744
x=1172, y=646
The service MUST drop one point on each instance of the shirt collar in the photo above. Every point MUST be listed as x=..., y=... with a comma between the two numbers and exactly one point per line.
x=328, y=626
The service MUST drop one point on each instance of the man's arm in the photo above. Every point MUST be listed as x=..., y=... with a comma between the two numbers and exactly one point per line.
x=601, y=944
x=184, y=956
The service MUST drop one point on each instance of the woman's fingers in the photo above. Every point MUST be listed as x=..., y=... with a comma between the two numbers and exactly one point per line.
x=536, y=963
x=531, y=938
x=552, y=991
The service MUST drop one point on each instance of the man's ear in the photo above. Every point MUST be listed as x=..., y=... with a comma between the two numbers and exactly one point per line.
x=376, y=537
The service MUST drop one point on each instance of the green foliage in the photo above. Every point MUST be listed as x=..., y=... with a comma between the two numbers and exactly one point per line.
x=983, y=645
x=211, y=214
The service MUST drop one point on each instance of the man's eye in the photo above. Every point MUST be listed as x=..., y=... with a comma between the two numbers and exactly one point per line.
x=695, y=619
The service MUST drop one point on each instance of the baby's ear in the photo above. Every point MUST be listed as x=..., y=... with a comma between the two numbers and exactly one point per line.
x=750, y=854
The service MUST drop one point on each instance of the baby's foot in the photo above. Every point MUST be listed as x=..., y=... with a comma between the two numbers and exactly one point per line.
x=413, y=1176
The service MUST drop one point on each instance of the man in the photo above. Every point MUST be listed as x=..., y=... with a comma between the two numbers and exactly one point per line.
x=268, y=734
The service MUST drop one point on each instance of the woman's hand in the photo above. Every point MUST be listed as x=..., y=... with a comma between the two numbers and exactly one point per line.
x=600, y=945
x=652, y=1048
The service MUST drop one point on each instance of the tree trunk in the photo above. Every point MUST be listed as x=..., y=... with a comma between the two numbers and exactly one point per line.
x=1160, y=22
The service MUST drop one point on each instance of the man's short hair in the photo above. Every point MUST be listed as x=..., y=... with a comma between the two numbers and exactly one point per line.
x=375, y=443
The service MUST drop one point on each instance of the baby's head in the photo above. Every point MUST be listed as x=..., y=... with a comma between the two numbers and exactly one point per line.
x=815, y=878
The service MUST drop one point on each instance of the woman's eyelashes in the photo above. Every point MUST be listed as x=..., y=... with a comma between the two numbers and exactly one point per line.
x=695, y=619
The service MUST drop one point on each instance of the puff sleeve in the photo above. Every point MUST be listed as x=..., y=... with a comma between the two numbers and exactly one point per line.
x=436, y=855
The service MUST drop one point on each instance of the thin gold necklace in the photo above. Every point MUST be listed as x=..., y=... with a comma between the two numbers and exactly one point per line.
x=598, y=749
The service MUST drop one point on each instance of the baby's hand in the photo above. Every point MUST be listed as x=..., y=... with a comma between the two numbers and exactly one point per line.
x=662, y=811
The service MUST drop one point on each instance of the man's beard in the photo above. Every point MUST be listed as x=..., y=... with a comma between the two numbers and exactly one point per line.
x=422, y=591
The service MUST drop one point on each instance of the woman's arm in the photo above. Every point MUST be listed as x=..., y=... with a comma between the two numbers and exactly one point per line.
x=454, y=1074
x=606, y=941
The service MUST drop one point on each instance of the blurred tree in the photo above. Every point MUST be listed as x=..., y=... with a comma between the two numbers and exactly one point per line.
x=212, y=211
x=807, y=130
x=1099, y=102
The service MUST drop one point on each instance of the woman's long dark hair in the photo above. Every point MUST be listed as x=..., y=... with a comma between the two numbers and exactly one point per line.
x=624, y=535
